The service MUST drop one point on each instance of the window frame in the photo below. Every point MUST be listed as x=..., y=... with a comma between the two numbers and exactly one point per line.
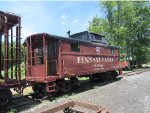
x=112, y=51
x=74, y=47
x=39, y=56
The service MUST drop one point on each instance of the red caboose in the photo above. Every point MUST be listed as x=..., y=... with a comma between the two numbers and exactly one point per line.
x=50, y=59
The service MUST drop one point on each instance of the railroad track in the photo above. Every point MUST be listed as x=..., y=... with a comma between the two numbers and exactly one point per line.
x=20, y=101
x=23, y=102
x=136, y=72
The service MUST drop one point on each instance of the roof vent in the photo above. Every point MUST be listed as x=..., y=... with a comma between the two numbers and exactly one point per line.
x=68, y=33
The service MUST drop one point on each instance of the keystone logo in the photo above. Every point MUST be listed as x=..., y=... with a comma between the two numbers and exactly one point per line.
x=98, y=50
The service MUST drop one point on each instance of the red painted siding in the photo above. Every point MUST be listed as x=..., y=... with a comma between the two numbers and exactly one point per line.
x=90, y=59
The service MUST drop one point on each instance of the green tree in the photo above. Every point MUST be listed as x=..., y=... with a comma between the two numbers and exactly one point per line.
x=126, y=25
x=22, y=54
x=141, y=32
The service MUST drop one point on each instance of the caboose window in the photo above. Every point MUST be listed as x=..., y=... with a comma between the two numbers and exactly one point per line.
x=112, y=51
x=39, y=55
x=75, y=47
x=52, y=48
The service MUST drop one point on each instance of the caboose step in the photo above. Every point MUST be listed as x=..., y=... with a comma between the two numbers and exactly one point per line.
x=50, y=87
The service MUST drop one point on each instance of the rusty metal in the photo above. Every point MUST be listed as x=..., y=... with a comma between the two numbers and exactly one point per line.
x=16, y=62
x=12, y=52
x=10, y=37
x=0, y=55
x=90, y=60
x=59, y=56
x=44, y=48
x=5, y=53
x=27, y=59
x=19, y=49
x=30, y=50
x=72, y=107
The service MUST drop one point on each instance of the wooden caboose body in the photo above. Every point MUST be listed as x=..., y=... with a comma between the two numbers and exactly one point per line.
x=50, y=59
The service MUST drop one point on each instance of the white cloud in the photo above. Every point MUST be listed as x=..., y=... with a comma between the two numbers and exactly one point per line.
x=62, y=23
x=75, y=21
x=64, y=17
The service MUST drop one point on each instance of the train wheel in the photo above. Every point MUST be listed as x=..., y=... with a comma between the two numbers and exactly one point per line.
x=57, y=89
x=74, y=82
x=38, y=88
x=113, y=75
x=5, y=96
x=92, y=78
x=35, y=87
x=66, y=86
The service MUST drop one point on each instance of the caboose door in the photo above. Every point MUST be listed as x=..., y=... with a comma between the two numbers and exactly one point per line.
x=52, y=57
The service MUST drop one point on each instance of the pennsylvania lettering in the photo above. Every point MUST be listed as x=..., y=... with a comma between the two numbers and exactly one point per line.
x=94, y=59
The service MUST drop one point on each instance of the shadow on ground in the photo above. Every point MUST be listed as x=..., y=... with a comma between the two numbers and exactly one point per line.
x=19, y=103
x=84, y=86
x=26, y=102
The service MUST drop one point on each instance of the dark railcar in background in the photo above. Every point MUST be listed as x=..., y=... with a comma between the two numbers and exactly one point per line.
x=50, y=59
x=10, y=36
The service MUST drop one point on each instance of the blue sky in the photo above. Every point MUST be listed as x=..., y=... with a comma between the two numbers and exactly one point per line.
x=53, y=17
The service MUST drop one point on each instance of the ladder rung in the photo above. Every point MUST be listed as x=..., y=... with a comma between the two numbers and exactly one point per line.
x=51, y=86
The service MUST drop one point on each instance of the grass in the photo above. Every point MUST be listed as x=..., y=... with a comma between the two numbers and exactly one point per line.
x=83, y=78
x=26, y=91
x=144, y=65
x=12, y=111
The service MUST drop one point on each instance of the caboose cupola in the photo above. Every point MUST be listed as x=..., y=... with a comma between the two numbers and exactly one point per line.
x=90, y=37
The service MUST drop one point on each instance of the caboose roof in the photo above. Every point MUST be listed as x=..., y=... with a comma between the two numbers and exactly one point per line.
x=68, y=39
x=83, y=33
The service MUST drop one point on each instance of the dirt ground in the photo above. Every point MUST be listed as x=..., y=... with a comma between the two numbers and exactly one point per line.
x=127, y=94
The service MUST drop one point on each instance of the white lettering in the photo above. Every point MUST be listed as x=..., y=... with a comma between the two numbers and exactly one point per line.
x=94, y=60
x=86, y=59
x=78, y=60
x=82, y=59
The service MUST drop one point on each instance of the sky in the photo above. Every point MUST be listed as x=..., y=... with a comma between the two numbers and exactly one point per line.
x=53, y=17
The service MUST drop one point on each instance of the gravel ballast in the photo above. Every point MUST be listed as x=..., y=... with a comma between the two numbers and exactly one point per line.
x=128, y=94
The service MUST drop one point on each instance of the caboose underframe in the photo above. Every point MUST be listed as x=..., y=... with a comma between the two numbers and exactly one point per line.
x=51, y=59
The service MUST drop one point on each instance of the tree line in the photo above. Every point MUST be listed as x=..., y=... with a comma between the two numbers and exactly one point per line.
x=22, y=54
x=127, y=25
